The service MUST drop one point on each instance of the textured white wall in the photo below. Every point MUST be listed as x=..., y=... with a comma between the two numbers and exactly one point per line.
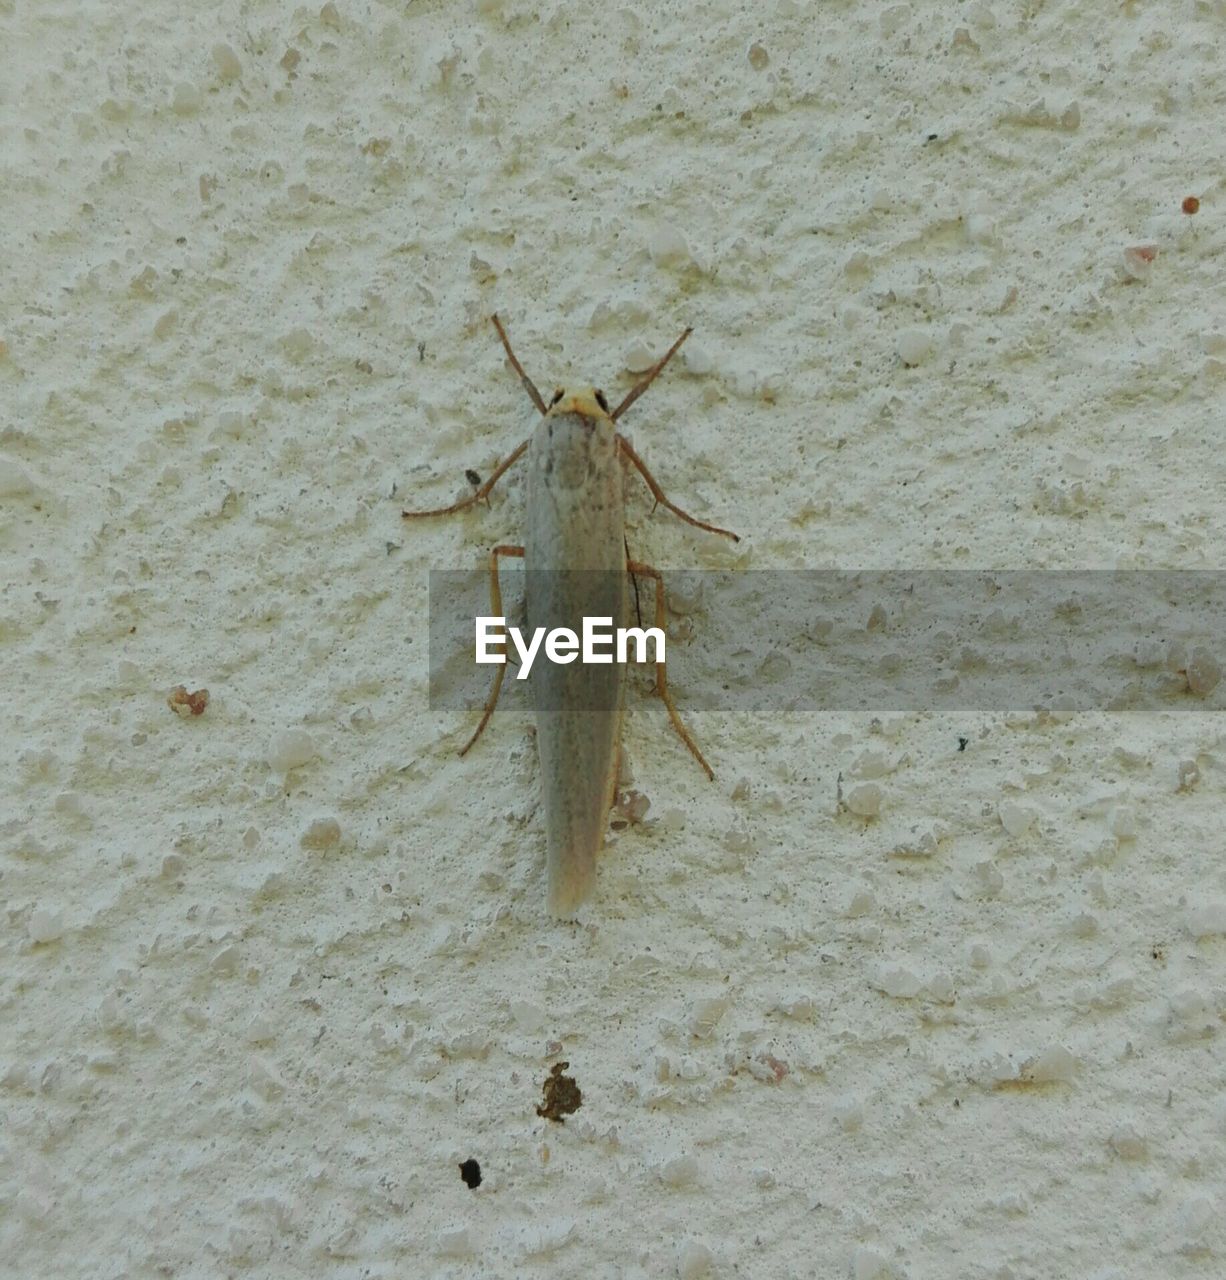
x=248, y=255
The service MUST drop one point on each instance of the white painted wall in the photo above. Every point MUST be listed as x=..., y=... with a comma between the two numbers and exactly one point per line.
x=248, y=255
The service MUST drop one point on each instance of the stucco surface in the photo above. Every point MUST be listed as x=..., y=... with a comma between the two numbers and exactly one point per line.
x=261, y=993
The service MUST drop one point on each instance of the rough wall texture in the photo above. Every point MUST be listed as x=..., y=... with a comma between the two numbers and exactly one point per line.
x=270, y=973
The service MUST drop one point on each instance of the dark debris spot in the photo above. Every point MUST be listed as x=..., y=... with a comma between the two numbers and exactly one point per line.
x=470, y=1171
x=561, y=1095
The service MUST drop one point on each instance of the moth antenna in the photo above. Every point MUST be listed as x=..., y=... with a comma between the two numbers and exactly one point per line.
x=529, y=385
x=649, y=377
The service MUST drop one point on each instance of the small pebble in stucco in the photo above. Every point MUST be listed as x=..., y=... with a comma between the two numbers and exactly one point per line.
x=225, y=60
x=1187, y=776
x=697, y=360
x=705, y=1016
x=291, y=750
x=914, y=347
x=1016, y=818
x=897, y=981
x=768, y=1068
x=680, y=1171
x=456, y=1242
x=980, y=229
x=1192, y=1016
x=15, y=480
x=259, y=1030
x=1190, y=205
x=1138, y=261
x=865, y=800
x=848, y=1113
x=988, y=877
x=1195, y=1216
x=529, y=1018
x=1127, y=1143
x=1122, y=822
x=801, y=1008
x=1053, y=1066
x=861, y=904
x=694, y=1261
x=758, y=57
x=297, y=344
x=668, y=247
x=638, y=357
x=46, y=924
x=186, y=100
x=1202, y=672
x=323, y=833
x=1208, y=919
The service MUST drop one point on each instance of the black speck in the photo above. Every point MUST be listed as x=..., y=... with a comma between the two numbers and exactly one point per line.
x=962, y=743
x=473, y=478
x=932, y=137
x=470, y=1171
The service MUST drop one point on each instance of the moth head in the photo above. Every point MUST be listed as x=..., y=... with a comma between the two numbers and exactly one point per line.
x=587, y=402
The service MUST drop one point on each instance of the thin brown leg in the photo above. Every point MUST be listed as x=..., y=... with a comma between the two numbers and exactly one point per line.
x=496, y=611
x=638, y=611
x=649, y=377
x=661, y=679
x=658, y=494
x=480, y=494
x=529, y=385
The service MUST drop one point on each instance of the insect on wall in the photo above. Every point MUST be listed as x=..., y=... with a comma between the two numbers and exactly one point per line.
x=576, y=566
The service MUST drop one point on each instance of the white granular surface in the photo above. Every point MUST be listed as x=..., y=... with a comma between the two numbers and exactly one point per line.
x=270, y=973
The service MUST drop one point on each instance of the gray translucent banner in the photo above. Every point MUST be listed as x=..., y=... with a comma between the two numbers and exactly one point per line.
x=878, y=641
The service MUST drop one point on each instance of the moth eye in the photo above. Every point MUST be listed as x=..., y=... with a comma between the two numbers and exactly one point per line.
x=557, y=395
x=601, y=401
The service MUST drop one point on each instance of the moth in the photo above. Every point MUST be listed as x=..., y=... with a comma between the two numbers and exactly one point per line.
x=576, y=565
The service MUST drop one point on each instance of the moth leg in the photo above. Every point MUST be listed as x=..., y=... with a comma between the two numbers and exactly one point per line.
x=529, y=385
x=661, y=679
x=480, y=494
x=638, y=611
x=496, y=611
x=658, y=494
